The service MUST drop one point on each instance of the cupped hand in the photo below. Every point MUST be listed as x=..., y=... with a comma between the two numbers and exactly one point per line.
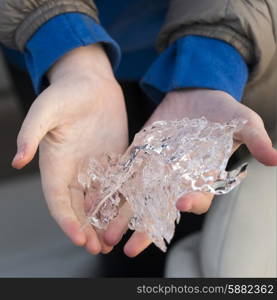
x=216, y=106
x=80, y=115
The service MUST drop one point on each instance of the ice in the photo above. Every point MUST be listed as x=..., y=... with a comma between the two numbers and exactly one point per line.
x=166, y=160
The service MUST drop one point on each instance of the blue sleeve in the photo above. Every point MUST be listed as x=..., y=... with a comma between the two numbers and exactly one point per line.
x=60, y=35
x=196, y=62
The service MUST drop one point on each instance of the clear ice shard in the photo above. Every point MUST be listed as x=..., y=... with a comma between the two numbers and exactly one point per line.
x=166, y=160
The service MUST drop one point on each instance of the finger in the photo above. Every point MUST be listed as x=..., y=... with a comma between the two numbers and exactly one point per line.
x=89, y=200
x=93, y=244
x=236, y=145
x=118, y=227
x=259, y=144
x=59, y=204
x=196, y=202
x=35, y=126
x=105, y=248
x=138, y=242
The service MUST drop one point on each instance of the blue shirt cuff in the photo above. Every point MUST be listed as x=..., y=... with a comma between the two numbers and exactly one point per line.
x=58, y=36
x=196, y=62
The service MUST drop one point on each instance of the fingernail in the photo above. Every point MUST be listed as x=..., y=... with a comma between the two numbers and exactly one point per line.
x=20, y=154
x=189, y=207
x=186, y=206
x=116, y=241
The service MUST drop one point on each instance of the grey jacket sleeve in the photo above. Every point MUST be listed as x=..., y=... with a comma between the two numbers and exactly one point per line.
x=19, y=19
x=248, y=25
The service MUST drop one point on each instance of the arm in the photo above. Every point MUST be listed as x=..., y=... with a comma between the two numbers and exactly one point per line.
x=80, y=109
x=19, y=20
x=81, y=114
x=247, y=26
x=207, y=44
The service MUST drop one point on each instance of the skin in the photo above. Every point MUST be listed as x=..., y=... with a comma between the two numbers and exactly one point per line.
x=216, y=106
x=82, y=114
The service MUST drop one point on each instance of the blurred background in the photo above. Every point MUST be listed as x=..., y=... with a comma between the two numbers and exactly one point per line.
x=31, y=244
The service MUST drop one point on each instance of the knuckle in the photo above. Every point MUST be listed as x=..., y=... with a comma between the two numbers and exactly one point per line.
x=200, y=211
x=254, y=119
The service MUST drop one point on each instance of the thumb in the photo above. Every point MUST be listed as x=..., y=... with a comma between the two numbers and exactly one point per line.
x=259, y=144
x=33, y=129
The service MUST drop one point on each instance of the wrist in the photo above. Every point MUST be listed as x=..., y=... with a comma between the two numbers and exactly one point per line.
x=87, y=62
x=190, y=93
x=188, y=99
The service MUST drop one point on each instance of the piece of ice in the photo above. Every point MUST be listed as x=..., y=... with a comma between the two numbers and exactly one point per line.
x=166, y=160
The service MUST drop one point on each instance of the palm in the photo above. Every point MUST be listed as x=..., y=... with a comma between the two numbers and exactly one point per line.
x=80, y=115
x=218, y=107
x=75, y=126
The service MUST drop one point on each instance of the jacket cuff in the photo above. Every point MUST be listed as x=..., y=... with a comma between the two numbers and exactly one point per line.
x=196, y=62
x=60, y=35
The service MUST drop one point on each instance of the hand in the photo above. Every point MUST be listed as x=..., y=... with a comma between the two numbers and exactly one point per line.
x=80, y=115
x=215, y=106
